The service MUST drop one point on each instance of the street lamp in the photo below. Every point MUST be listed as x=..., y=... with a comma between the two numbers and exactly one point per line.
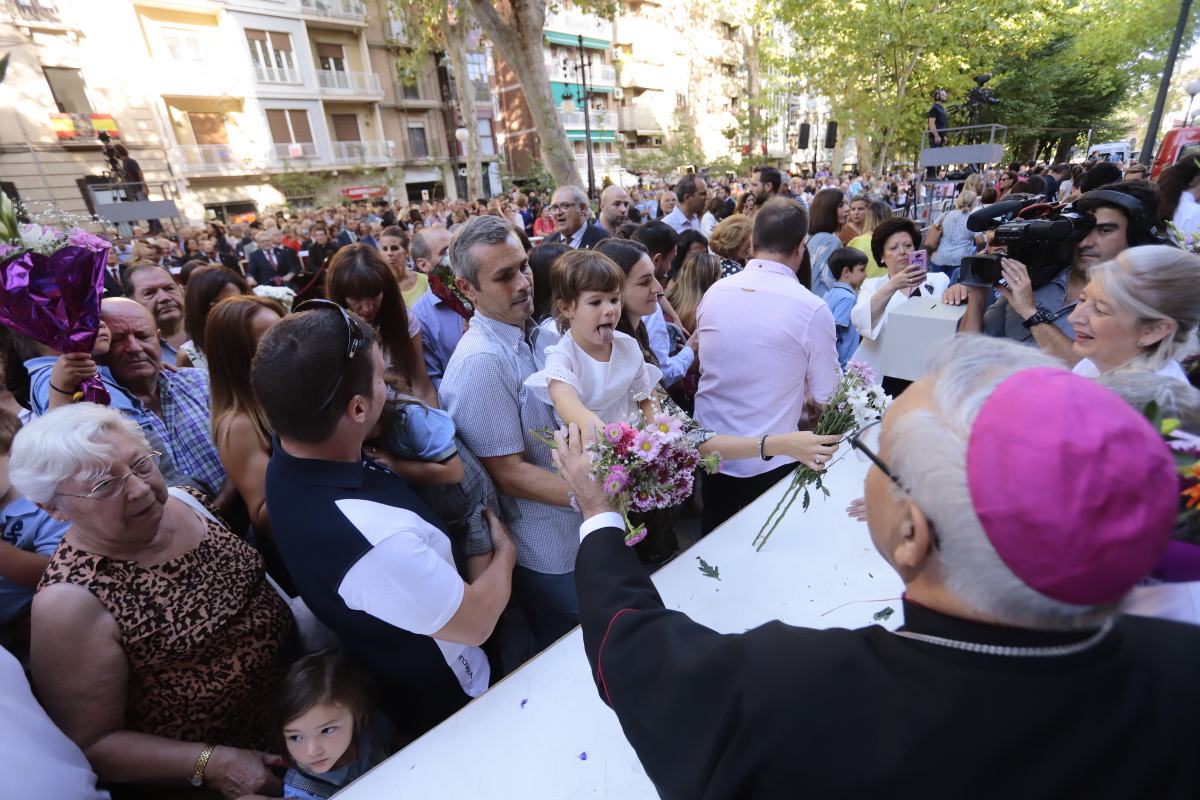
x=580, y=68
x=1193, y=89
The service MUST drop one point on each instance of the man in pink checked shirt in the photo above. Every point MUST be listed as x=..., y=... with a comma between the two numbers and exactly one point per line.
x=767, y=347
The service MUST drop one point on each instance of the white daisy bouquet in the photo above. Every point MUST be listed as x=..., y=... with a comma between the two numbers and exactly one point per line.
x=858, y=401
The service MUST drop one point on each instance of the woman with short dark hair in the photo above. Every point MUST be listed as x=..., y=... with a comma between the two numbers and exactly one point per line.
x=892, y=244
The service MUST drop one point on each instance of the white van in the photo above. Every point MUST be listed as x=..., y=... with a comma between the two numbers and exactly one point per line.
x=1117, y=152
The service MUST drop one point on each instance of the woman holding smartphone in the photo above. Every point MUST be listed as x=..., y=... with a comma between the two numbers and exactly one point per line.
x=894, y=244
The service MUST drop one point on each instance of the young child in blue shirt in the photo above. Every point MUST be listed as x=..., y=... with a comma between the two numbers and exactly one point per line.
x=28, y=538
x=443, y=472
x=848, y=266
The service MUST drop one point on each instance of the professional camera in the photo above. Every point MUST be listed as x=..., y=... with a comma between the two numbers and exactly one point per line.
x=981, y=95
x=1040, y=235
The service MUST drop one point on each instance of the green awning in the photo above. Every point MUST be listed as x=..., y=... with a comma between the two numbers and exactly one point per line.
x=558, y=89
x=572, y=40
x=597, y=136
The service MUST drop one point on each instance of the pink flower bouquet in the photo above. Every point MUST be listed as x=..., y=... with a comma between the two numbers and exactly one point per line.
x=648, y=466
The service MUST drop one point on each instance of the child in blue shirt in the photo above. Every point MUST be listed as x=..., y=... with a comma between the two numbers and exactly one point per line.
x=29, y=536
x=443, y=472
x=848, y=266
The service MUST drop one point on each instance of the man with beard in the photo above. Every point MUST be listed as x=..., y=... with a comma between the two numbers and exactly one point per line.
x=483, y=390
x=614, y=209
x=171, y=405
x=692, y=191
x=154, y=289
x=765, y=183
x=1125, y=218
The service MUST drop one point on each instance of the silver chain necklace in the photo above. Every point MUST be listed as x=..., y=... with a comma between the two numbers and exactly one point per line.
x=1053, y=651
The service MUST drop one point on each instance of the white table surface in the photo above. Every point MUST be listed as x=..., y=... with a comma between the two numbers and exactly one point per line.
x=525, y=738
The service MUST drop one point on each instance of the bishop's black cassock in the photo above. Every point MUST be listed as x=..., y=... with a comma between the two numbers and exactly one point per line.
x=786, y=712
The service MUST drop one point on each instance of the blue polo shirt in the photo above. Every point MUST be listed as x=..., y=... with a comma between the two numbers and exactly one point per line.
x=29, y=528
x=841, y=298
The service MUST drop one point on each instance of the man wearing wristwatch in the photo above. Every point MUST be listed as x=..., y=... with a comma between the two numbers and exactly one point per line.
x=1030, y=315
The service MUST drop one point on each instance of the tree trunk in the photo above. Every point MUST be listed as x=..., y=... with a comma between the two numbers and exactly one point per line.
x=863, y=147
x=516, y=29
x=753, y=117
x=464, y=90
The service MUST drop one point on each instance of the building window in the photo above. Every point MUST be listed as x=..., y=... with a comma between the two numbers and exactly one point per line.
x=680, y=100
x=66, y=85
x=487, y=142
x=477, y=67
x=412, y=91
x=418, y=143
x=331, y=57
x=271, y=53
x=345, y=127
x=186, y=44
x=290, y=126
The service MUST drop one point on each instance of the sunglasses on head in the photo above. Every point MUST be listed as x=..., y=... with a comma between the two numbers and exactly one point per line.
x=354, y=341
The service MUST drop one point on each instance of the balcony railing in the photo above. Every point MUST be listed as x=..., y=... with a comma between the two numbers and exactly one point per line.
x=577, y=22
x=598, y=160
x=372, y=152
x=638, y=119
x=348, y=10
x=269, y=74
x=217, y=159
x=294, y=151
x=599, y=120
x=333, y=81
x=603, y=74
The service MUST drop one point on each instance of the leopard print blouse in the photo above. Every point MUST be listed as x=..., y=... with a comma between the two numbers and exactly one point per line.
x=206, y=637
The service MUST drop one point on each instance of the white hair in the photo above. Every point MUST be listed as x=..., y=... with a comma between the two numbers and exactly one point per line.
x=64, y=444
x=1155, y=282
x=928, y=452
x=578, y=196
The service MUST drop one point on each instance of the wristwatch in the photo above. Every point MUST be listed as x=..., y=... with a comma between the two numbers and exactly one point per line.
x=1042, y=317
x=197, y=778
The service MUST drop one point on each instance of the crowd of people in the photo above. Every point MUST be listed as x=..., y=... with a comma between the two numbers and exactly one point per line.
x=287, y=545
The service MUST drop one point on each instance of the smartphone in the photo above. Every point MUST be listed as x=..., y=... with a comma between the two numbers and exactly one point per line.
x=918, y=260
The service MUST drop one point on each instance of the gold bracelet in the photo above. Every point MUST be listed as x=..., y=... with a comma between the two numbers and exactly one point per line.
x=202, y=762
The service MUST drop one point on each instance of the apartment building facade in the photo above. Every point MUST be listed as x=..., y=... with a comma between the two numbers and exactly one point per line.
x=242, y=106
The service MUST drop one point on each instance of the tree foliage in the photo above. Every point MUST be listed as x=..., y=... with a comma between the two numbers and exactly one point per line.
x=1061, y=65
x=1102, y=55
x=681, y=147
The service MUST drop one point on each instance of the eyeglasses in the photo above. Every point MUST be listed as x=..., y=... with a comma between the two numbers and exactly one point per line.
x=354, y=341
x=866, y=441
x=144, y=467
x=554, y=209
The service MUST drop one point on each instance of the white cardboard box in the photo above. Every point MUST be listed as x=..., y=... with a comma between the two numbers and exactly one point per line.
x=913, y=329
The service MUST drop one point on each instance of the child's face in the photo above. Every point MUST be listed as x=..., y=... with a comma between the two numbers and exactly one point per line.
x=103, y=341
x=595, y=316
x=318, y=739
x=856, y=275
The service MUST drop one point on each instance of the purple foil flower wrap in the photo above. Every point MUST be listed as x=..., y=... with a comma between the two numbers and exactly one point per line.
x=55, y=300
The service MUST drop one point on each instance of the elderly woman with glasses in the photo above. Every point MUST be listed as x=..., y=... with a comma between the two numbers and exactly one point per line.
x=157, y=638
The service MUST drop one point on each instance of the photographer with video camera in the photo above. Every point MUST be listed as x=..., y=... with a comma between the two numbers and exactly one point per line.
x=1049, y=251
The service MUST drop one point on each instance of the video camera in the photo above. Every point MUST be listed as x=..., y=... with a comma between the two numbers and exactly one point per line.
x=1040, y=235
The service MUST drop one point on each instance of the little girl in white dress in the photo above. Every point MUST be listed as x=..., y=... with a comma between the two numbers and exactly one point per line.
x=595, y=374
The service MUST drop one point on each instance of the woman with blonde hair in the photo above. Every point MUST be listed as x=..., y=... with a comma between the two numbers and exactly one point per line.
x=699, y=271
x=1138, y=311
x=949, y=238
x=730, y=240
x=877, y=212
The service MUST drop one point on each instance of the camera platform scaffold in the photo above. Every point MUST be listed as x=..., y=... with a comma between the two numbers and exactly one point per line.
x=968, y=146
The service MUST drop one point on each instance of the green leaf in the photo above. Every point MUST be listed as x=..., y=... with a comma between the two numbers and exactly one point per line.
x=883, y=614
x=3, y=66
x=825, y=490
x=708, y=570
x=807, y=500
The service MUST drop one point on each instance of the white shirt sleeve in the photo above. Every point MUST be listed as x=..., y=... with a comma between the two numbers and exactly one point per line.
x=404, y=582
x=860, y=315
x=609, y=519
